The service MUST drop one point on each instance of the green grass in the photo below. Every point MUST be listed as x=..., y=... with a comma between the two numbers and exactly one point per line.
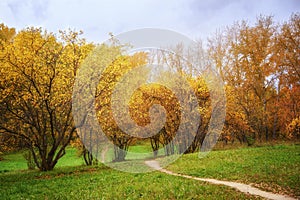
x=104, y=183
x=142, y=150
x=273, y=168
x=16, y=161
x=13, y=161
x=71, y=158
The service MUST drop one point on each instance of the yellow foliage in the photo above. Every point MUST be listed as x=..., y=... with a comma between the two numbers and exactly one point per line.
x=293, y=129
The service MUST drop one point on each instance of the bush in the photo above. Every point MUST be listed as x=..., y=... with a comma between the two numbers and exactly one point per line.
x=293, y=129
x=250, y=140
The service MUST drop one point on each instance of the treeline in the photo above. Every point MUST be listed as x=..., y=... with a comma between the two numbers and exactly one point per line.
x=261, y=67
x=258, y=63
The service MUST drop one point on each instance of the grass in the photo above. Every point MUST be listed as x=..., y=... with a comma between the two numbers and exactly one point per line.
x=13, y=161
x=16, y=161
x=71, y=158
x=272, y=168
x=142, y=150
x=104, y=183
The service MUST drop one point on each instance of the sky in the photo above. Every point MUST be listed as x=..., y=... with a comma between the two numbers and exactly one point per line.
x=196, y=19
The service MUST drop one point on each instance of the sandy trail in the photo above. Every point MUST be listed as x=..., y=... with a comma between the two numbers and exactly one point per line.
x=239, y=186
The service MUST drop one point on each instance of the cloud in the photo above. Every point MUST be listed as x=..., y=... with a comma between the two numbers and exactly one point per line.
x=195, y=18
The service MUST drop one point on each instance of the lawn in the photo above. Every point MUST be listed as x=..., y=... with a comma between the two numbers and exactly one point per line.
x=16, y=161
x=273, y=168
x=101, y=182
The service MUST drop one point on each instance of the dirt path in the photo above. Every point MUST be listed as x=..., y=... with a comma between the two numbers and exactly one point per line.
x=240, y=186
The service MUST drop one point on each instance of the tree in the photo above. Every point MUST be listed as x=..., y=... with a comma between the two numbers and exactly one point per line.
x=288, y=108
x=7, y=141
x=147, y=97
x=244, y=56
x=6, y=34
x=87, y=155
x=287, y=51
x=108, y=81
x=236, y=123
x=175, y=97
x=259, y=65
x=37, y=76
x=288, y=87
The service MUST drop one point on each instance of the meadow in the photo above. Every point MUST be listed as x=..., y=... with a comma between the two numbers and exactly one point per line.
x=272, y=168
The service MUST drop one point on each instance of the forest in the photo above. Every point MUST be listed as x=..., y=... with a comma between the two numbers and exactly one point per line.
x=259, y=64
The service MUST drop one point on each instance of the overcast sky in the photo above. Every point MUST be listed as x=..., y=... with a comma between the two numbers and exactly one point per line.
x=194, y=18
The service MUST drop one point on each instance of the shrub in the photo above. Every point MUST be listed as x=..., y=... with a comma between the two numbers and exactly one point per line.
x=293, y=129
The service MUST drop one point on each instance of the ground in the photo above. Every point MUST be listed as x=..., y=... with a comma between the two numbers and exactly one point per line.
x=272, y=168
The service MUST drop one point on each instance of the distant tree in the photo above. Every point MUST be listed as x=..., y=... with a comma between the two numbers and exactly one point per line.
x=108, y=81
x=287, y=58
x=82, y=150
x=146, y=97
x=245, y=57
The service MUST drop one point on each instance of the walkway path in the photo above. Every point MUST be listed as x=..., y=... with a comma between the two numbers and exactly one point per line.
x=240, y=186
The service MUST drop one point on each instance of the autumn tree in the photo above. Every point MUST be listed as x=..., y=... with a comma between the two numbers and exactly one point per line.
x=287, y=58
x=193, y=65
x=176, y=95
x=287, y=49
x=236, y=124
x=144, y=99
x=37, y=75
x=7, y=141
x=259, y=65
x=243, y=55
x=110, y=77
